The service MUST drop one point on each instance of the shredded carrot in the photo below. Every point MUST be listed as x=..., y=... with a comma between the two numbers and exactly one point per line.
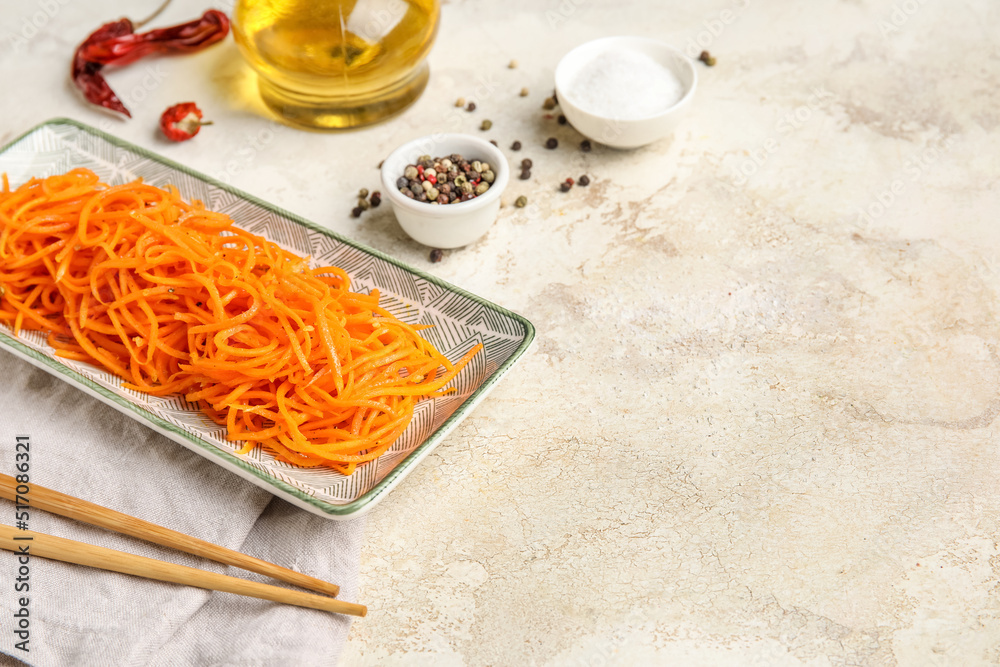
x=176, y=299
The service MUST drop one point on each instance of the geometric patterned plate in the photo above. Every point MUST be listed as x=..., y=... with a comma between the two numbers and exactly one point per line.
x=459, y=319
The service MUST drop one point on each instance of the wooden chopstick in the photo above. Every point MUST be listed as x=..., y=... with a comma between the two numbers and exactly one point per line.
x=81, y=553
x=87, y=512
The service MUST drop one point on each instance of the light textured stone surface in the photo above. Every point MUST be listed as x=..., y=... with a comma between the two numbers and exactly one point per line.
x=757, y=427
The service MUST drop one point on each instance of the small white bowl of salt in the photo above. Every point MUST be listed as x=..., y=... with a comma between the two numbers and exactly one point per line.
x=625, y=92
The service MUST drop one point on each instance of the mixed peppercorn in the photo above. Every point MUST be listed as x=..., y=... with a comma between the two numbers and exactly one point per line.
x=445, y=180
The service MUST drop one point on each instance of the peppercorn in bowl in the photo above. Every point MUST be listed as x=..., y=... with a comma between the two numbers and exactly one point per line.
x=445, y=188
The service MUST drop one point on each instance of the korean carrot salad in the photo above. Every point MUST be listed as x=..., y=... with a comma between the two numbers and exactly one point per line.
x=175, y=299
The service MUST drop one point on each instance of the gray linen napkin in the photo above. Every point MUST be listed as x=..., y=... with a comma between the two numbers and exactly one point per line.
x=82, y=616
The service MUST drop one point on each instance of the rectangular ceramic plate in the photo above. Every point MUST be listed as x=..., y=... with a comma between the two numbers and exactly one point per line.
x=459, y=319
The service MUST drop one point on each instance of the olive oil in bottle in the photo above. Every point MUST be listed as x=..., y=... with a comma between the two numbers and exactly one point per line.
x=333, y=64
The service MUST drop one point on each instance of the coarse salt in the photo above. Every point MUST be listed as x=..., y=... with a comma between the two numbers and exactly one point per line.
x=625, y=85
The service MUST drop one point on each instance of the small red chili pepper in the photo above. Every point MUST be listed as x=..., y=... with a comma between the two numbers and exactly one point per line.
x=182, y=121
x=117, y=43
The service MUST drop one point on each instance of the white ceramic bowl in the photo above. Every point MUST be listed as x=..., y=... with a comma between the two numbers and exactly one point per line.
x=617, y=132
x=445, y=225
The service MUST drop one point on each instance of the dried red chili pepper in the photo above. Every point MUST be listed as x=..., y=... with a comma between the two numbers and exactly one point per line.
x=116, y=43
x=87, y=75
x=184, y=38
x=182, y=121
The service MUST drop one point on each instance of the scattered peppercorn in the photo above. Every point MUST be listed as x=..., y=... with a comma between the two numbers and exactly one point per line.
x=583, y=180
x=565, y=186
x=551, y=143
x=485, y=125
x=549, y=104
x=376, y=199
x=570, y=181
x=707, y=58
x=363, y=204
x=460, y=102
x=516, y=146
x=585, y=145
x=437, y=255
x=526, y=163
x=525, y=174
x=512, y=64
x=363, y=192
x=356, y=212
x=524, y=92
x=521, y=201
x=471, y=106
x=562, y=119
x=494, y=142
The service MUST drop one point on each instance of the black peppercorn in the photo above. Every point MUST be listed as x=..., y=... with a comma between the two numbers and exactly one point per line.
x=356, y=212
x=526, y=163
x=471, y=107
x=551, y=143
x=583, y=180
x=401, y=182
x=376, y=198
x=437, y=255
x=516, y=146
x=525, y=174
x=585, y=145
x=562, y=119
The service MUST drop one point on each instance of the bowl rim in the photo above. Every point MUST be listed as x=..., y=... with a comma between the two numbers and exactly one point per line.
x=446, y=211
x=577, y=52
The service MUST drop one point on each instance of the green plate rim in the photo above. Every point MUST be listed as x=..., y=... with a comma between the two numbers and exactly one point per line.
x=382, y=487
